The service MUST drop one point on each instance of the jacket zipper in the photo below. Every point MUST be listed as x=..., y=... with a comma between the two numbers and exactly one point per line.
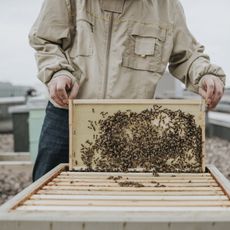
x=107, y=56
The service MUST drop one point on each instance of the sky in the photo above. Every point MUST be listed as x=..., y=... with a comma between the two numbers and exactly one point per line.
x=208, y=20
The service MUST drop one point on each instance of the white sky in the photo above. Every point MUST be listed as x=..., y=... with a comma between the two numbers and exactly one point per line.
x=209, y=21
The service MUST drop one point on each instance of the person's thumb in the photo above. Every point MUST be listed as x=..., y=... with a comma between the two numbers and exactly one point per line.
x=74, y=91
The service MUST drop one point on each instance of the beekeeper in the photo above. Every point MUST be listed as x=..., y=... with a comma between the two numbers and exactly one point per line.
x=112, y=49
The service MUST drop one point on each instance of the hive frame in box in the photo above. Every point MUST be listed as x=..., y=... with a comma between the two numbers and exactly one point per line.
x=167, y=218
x=80, y=113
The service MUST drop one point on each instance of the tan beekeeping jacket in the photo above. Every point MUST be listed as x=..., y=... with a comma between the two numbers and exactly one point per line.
x=121, y=48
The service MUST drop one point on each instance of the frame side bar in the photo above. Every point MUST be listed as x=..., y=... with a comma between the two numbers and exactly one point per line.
x=71, y=134
x=220, y=179
x=33, y=188
x=203, y=154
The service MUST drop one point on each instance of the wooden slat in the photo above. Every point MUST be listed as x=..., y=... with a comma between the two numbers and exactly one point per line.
x=113, y=184
x=138, y=175
x=71, y=134
x=137, y=101
x=141, y=178
x=95, y=197
x=120, y=209
x=82, y=188
x=146, y=180
x=202, y=125
x=133, y=193
x=125, y=203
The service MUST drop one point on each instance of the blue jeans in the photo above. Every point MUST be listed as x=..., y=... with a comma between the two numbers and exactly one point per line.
x=53, y=146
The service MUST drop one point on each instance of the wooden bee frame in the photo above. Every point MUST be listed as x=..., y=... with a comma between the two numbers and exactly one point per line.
x=84, y=114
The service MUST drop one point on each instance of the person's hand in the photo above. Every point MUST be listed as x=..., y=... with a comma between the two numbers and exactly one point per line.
x=211, y=88
x=61, y=89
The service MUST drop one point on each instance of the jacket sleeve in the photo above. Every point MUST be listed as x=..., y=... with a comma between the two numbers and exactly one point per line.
x=187, y=62
x=49, y=36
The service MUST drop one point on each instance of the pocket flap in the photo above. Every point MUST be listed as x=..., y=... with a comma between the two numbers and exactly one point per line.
x=149, y=31
x=145, y=46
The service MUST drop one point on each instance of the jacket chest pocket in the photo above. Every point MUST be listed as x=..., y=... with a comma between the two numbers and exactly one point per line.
x=143, y=48
x=83, y=41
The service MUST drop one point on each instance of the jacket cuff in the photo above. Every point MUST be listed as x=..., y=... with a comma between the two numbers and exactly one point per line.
x=200, y=68
x=65, y=73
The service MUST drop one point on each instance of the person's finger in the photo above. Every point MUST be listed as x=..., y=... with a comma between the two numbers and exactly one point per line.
x=61, y=90
x=218, y=93
x=74, y=91
x=219, y=88
x=202, y=93
x=53, y=95
x=209, y=86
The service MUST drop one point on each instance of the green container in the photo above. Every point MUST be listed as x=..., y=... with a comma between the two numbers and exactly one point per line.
x=20, y=131
x=36, y=117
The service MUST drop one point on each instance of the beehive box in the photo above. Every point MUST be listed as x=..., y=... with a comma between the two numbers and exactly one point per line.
x=78, y=196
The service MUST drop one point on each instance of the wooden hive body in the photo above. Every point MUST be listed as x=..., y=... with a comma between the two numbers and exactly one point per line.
x=133, y=199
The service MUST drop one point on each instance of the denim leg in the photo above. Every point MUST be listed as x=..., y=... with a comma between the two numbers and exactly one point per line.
x=54, y=141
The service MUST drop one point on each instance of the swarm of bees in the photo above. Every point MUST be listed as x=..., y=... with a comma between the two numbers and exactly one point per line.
x=125, y=183
x=153, y=140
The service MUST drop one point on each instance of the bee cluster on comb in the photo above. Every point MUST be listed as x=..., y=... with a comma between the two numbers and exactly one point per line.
x=154, y=140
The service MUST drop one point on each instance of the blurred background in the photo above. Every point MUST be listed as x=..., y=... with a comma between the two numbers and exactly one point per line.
x=23, y=98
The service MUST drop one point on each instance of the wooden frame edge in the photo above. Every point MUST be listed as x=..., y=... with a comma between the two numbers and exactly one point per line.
x=138, y=101
x=33, y=188
x=149, y=216
x=223, y=182
x=70, y=134
x=203, y=114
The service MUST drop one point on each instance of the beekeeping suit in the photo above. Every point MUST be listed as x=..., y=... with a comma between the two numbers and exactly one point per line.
x=121, y=48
